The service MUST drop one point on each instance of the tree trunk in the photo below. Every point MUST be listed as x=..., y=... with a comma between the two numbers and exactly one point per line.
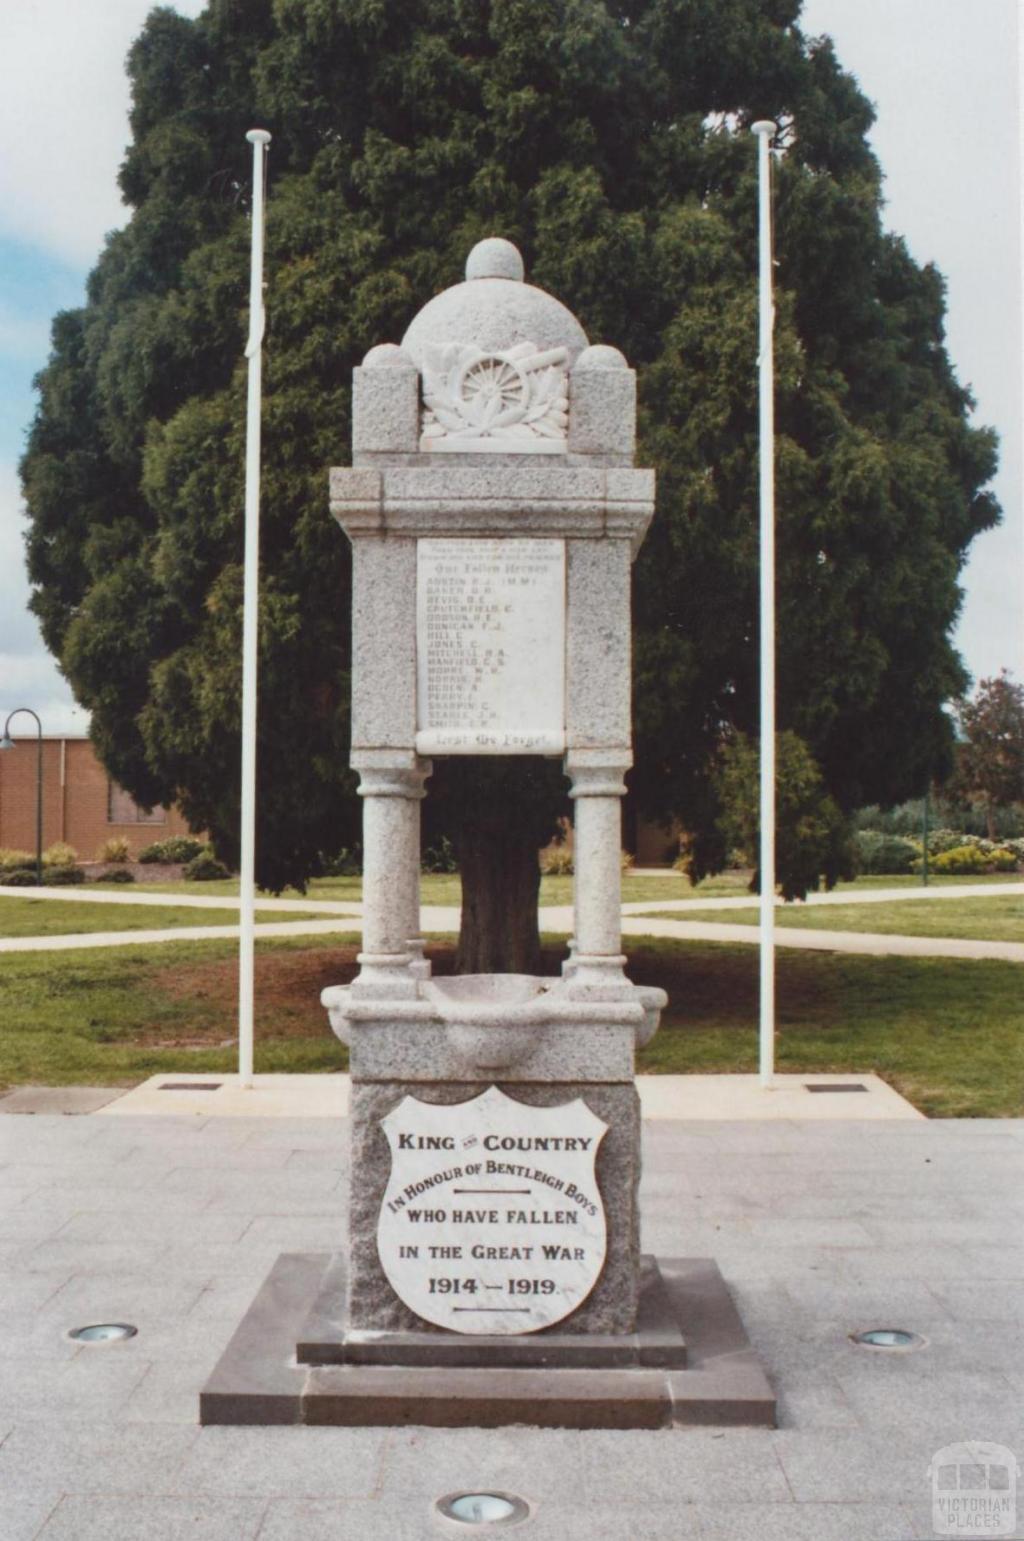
x=500, y=887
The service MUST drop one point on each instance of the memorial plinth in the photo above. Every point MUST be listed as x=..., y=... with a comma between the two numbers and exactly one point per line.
x=494, y=512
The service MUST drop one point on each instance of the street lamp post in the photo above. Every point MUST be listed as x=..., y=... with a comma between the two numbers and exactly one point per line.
x=7, y=742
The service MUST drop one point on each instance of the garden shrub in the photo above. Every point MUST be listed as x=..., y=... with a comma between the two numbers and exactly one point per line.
x=945, y=840
x=116, y=875
x=12, y=860
x=64, y=877
x=116, y=849
x=440, y=857
x=557, y=862
x=60, y=854
x=962, y=861
x=19, y=877
x=176, y=848
x=885, y=855
x=205, y=868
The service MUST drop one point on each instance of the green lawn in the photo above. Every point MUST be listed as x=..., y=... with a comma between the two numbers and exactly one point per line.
x=59, y=917
x=985, y=919
x=948, y=1034
x=115, y=1016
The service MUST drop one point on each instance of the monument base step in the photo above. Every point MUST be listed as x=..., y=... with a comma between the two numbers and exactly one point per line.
x=657, y=1343
x=259, y=1379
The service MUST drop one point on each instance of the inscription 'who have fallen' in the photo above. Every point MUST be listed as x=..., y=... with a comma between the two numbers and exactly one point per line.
x=448, y=1233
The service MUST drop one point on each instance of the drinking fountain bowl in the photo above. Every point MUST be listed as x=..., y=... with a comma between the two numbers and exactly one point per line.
x=490, y=1019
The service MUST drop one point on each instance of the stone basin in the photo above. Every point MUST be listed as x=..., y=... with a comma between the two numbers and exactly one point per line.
x=488, y=1017
x=489, y=989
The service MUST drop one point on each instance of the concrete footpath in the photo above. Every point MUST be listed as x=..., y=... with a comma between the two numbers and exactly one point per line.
x=207, y=1095
x=555, y=920
x=821, y=1229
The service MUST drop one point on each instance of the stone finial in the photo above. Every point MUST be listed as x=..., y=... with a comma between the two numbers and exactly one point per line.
x=495, y=258
x=387, y=355
x=385, y=402
x=602, y=403
x=600, y=356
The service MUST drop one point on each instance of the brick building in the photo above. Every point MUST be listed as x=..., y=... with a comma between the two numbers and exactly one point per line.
x=81, y=804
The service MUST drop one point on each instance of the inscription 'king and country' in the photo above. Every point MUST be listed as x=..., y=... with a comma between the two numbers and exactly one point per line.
x=492, y=1221
x=490, y=646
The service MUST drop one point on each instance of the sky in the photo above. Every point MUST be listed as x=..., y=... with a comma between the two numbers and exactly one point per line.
x=943, y=76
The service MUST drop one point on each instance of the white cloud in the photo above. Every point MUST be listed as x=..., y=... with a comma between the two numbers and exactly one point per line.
x=64, y=119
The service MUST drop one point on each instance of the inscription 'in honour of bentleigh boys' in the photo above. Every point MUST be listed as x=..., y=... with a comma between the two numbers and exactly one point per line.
x=492, y=1221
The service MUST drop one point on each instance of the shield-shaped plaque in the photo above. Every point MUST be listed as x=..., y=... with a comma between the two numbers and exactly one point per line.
x=492, y=1221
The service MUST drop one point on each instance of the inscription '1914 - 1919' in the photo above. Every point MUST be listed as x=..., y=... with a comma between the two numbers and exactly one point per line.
x=492, y=1221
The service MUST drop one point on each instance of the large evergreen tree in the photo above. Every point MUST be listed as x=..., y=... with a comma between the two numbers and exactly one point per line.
x=609, y=140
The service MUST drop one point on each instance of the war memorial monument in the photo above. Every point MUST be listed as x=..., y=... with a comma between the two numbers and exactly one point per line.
x=492, y=1272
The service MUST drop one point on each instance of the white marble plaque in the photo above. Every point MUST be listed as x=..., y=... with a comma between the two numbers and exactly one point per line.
x=490, y=646
x=492, y=1221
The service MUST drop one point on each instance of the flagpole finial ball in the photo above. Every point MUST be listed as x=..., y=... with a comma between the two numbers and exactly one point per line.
x=258, y=136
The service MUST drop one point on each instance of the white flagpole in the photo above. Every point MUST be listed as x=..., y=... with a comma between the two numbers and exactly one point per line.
x=765, y=131
x=259, y=139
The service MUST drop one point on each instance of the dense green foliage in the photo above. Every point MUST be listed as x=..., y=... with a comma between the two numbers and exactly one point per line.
x=812, y=836
x=947, y=820
x=609, y=139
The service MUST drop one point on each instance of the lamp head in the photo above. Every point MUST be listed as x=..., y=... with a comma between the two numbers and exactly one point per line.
x=6, y=742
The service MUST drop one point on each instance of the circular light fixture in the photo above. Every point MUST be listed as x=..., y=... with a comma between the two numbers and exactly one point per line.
x=888, y=1338
x=103, y=1332
x=479, y=1509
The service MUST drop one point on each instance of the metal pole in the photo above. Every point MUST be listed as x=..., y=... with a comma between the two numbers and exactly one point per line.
x=259, y=139
x=765, y=131
x=924, y=861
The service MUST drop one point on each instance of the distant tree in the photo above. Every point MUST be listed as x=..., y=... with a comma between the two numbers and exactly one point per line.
x=990, y=759
x=611, y=142
x=812, y=836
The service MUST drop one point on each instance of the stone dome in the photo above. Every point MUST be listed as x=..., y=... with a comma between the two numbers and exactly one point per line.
x=494, y=309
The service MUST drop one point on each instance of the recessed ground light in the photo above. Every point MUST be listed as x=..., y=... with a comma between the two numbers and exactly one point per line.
x=888, y=1337
x=103, y=1332
x=190, y=1086
x=480, y=1509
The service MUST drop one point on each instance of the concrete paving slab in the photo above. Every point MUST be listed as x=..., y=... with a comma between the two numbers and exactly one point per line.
x=59, y=1099
x=270, y=1096
x=676, y=1097
x=94, y=1457
x=803, y=1522
x=859, y=1481
x=107, y=1518
x=25, y=1511
x=283, y=1462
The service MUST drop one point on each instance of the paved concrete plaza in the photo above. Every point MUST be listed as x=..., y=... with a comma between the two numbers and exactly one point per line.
x=820, y=1228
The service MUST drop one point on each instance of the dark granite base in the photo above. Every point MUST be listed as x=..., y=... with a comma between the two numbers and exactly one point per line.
x=259, y=1380
x=656, y=1344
